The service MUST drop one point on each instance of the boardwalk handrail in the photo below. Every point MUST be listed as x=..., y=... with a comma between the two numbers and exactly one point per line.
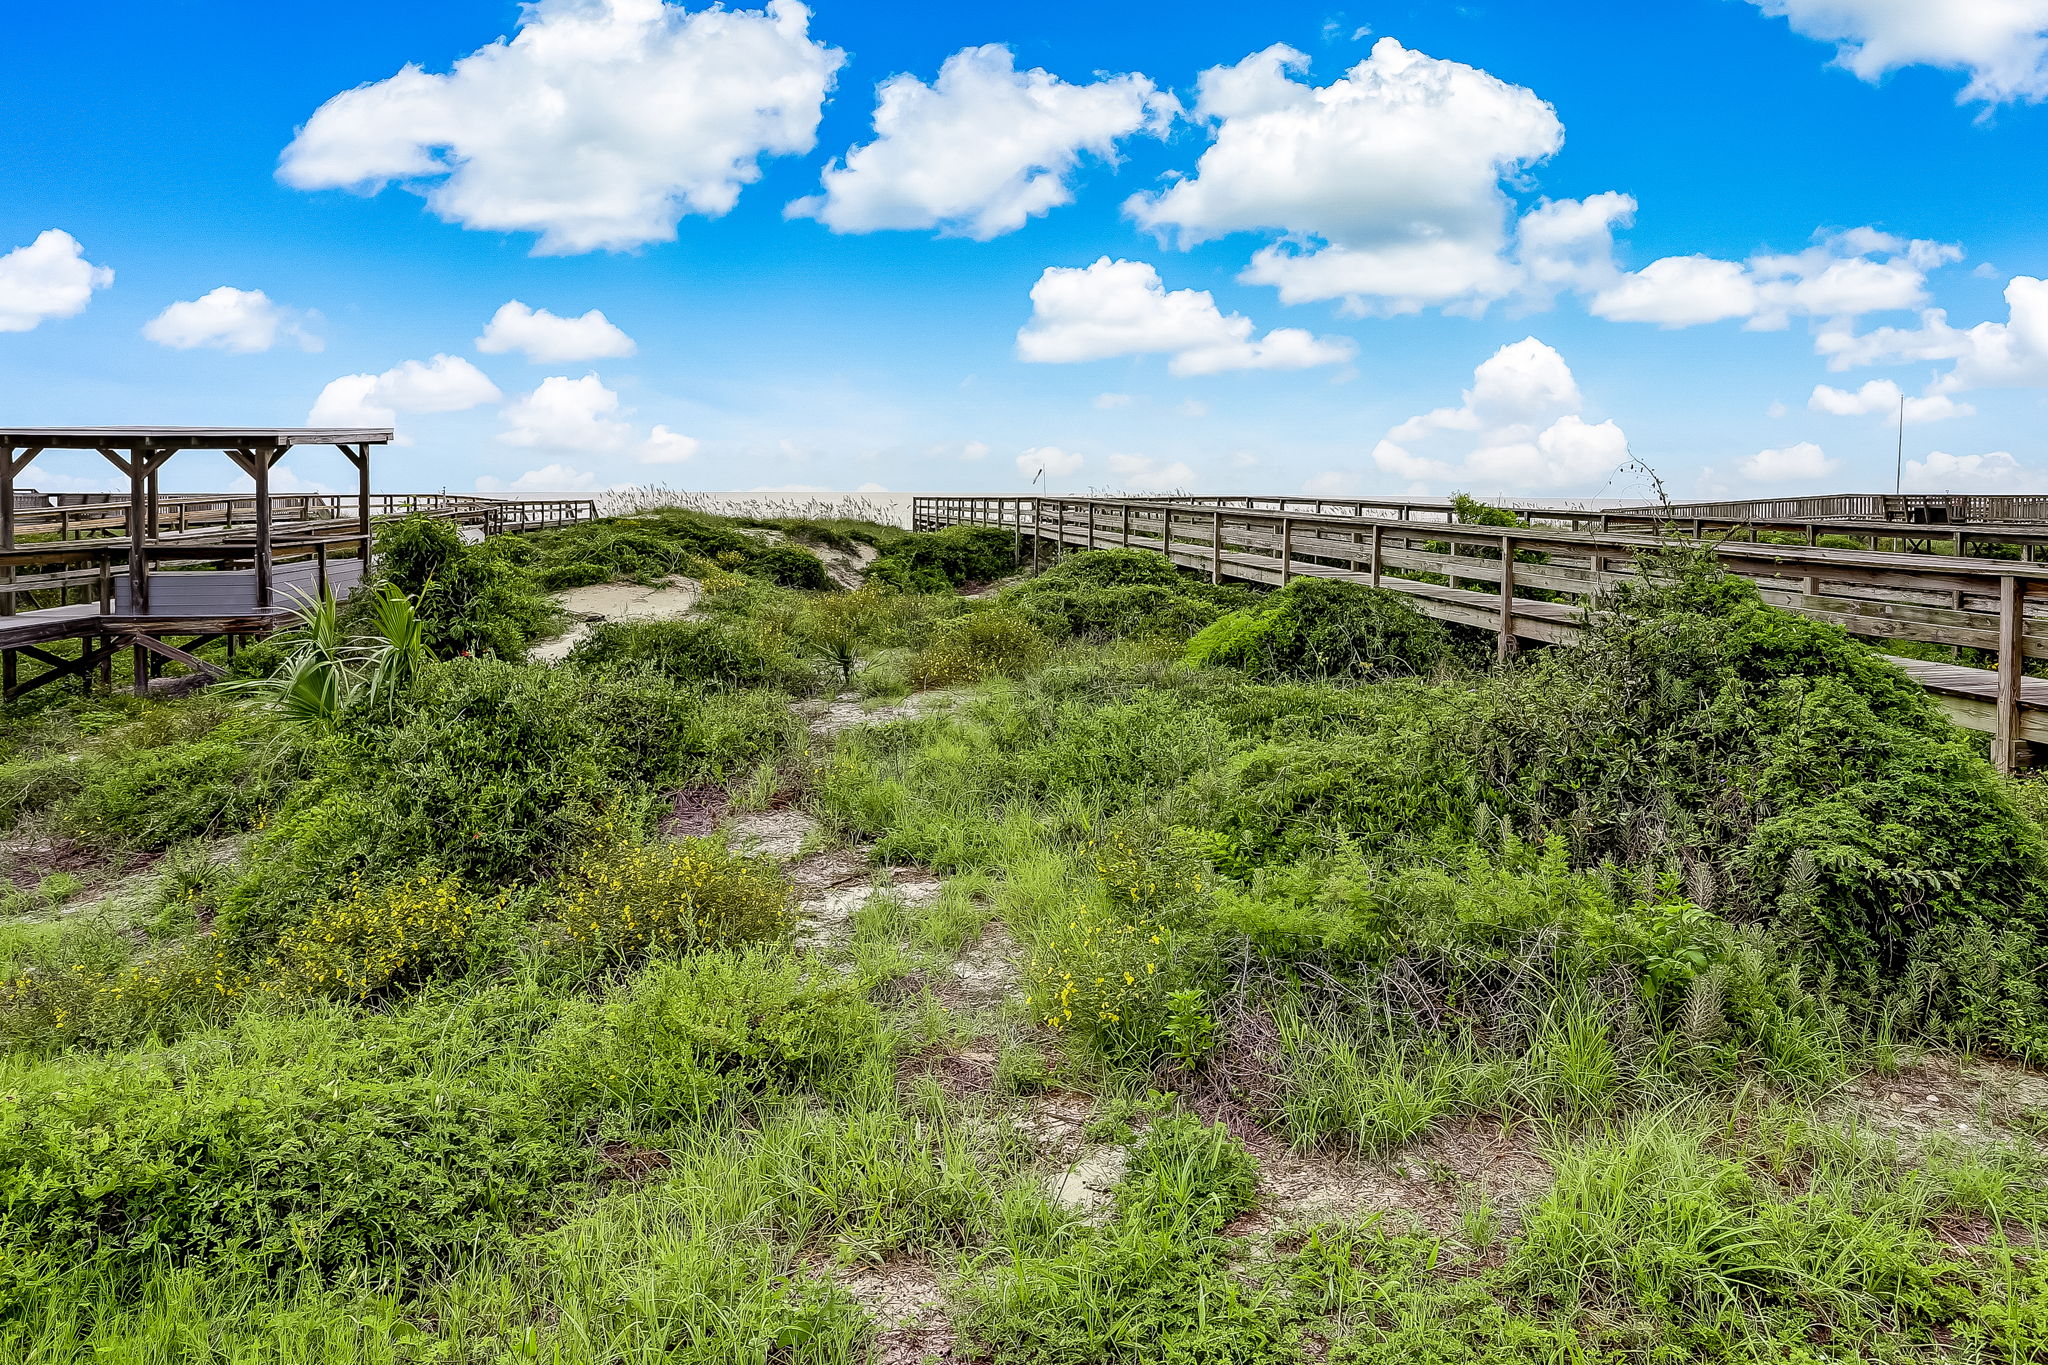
x=1532, y=582
x=246, y=562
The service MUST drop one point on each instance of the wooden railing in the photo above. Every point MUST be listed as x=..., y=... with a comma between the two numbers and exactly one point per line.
x=1532, y=582
x=76, y=550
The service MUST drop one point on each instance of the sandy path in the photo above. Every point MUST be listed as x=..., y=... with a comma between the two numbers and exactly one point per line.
x=675, y=596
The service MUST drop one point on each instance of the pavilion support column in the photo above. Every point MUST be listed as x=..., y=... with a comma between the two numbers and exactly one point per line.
x=134, y=464
x=265, y=588
x=13, y=460
x=360, y=458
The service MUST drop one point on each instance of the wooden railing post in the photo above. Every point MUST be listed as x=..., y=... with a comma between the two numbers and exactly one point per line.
x=1375, y=579
x=1216, y=546
x=2005, y=742
x=1505, y=646
x=1286, y=551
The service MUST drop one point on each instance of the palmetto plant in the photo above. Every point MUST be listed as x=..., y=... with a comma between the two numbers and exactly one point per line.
x=329, y=673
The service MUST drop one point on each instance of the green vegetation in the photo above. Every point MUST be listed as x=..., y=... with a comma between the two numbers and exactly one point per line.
x=1299, y=984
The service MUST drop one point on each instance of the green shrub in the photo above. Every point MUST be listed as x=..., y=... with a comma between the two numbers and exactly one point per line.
x=581, y=573
x=790, y=567
x=1121, y=594
x=626, y=900
x=86, y=988
x=1187, y=1175
x=470, y=599
x=150, y=798
x=717, y=653
x=338, y=1158
x=939, y=561
x=715, y=1028
x=1319, y=628
x=987, y=643
x=649, y=546
x=1800, y=780
x=376, y=938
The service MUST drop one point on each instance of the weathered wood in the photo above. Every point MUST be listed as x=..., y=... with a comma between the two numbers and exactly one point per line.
x=1504, y=645
x=2005, y=738
x=166, y=649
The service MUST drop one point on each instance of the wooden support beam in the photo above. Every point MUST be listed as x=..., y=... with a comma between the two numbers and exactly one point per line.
x=80, y=668
x=176, y=655
x=1216, y=546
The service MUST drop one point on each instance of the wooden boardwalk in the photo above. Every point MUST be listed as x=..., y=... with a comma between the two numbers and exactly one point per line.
x=1454, y=572
x=216, y=591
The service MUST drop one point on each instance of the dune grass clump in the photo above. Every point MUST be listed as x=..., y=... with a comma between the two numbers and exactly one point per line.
x=939, y=561
x=721, y=653
x=1122, y=594
x=988, y=643
x=1315, y=628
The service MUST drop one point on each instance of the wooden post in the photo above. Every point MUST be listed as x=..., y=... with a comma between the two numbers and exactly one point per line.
x=260, y=459
x=1036, y=526
x=1127, y=525
x=138, y=556
x=1286, y=551
x=320, y=569
x=1376, y=528
x=1216, y=546
x=12, y=463
x=2005, y=743
x=1091, y=525
x=1505, y=646
x=362, y=462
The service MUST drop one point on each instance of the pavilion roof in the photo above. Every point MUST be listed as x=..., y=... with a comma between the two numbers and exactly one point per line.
x=189, y=438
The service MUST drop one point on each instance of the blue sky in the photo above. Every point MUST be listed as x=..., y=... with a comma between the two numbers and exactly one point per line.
x=1378, y=248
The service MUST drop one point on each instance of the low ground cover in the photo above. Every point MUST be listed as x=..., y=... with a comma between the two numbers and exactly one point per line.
x=1202, y=975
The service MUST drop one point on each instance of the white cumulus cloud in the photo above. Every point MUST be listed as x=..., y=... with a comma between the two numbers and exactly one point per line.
x=982, y=149
x=1114, y=308
x=546, y=339
x=552, y=478
x=446, y=383
x=598, y=125
x=567, y=414
x=585, y=417
x=1386, y=182
x=1053, y=462
x=1842, y=277
x=2002, y=44
x=1518, y=426
x=663, y=446
x=1882, y=396
x=48, y=278
x=1144, y=474
x=1994, y=472
x=1991, y=355
x=1792, y=464
x=228, y=319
